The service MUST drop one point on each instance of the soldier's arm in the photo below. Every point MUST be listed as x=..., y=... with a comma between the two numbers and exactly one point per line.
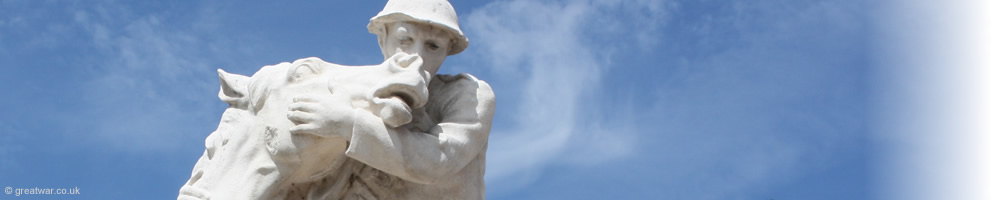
x=425, y=157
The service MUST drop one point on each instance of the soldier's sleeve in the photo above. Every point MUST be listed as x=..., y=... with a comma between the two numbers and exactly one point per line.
x=443, y=150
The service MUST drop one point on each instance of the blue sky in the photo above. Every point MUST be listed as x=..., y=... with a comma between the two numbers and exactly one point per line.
x=596, y=99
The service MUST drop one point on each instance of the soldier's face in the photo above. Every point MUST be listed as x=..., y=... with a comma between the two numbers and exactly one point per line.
x=430, y=43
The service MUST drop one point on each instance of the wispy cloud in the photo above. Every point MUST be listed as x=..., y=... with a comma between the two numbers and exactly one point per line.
x=555, y=51
x=151, y=87
x=747, y=94
x=782, y=97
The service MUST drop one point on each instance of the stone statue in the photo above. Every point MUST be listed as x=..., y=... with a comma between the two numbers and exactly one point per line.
x=311, y=129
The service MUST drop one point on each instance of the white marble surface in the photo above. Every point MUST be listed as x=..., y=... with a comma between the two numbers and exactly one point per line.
x=311, y=129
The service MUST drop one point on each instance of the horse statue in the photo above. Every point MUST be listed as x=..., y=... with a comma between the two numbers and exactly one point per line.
x=253, y=155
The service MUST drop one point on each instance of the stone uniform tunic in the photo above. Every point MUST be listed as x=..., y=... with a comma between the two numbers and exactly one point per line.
x=441, y=154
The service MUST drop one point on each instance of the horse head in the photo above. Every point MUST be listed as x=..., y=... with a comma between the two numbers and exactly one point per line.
x=252, y=154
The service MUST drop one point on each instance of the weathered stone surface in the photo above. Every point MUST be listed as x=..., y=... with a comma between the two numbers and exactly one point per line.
x=311, y=129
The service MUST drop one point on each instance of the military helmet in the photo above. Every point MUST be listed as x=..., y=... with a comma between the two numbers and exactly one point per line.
x=437, y=13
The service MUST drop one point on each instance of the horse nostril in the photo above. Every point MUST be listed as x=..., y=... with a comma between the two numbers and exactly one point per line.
x=409, y=61
x=407, y=98
x=413, y=93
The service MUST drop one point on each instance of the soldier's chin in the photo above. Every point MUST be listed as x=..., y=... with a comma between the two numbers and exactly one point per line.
x=394, y=111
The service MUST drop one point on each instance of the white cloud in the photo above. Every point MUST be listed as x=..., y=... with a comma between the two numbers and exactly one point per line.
x=782, y=98
x=154, y=83
x=722, y=120
x=550, y=48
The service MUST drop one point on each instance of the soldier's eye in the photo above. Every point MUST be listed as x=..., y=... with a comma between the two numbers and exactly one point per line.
x=432, y=46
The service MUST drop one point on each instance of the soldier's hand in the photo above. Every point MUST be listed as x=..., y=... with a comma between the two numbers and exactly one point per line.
x=321, y=115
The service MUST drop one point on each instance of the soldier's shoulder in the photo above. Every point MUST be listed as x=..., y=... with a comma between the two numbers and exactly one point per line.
x=461, y=79
x=464, y=82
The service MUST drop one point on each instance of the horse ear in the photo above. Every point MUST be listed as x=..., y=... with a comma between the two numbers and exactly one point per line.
x=233, y=88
